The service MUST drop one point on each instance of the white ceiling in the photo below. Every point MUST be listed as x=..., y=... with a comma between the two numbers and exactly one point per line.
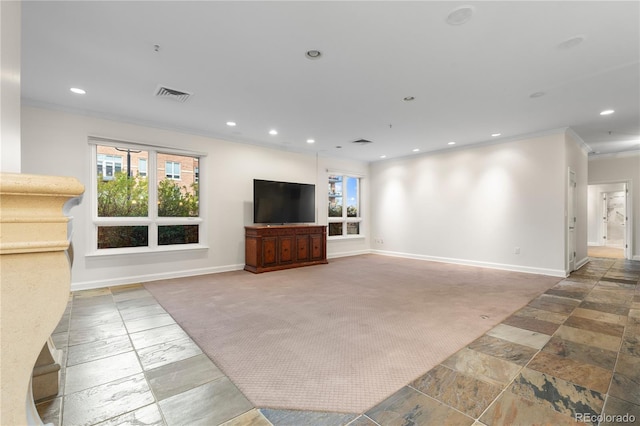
x=245, y=62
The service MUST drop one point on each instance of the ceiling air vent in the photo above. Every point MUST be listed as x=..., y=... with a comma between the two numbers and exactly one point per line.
x=362, y=142
x=178, y=95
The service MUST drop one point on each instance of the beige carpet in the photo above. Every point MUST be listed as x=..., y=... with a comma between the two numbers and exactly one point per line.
x=343, y=336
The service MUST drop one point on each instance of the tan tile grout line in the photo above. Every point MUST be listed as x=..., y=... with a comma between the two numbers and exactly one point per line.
x=363, y=415
x=605, y=395
x=615, y=366
x=441, y=402
x=508, y=386
x=440, y=363
x=156, y=401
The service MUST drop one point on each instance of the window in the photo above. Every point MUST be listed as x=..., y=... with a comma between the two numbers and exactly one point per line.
x=175, y=200
x=108, y=165
x=344, y=206
x=143, y=207
x=142, y=167
x=172, y=170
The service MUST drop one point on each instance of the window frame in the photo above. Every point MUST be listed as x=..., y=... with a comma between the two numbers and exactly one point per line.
x=173, y=175
x=152, y=221
x=143, y=173
x=106, y=161
x=345, y=220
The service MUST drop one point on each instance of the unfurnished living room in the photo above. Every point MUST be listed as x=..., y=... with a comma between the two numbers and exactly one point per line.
x=320, y=213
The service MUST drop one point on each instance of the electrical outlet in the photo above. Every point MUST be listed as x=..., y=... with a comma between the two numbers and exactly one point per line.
x=517, y=250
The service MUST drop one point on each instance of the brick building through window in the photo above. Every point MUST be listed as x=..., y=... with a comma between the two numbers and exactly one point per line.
x=111, y=160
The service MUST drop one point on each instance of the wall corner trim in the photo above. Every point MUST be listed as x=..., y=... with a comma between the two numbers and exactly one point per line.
x=581, y=143
x=581, y=263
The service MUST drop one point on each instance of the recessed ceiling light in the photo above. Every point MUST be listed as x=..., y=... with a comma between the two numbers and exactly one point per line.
x=460, y=15
x=537, y=94
x=495, y=134
x=416, y=150
x=311, y=141
x=313, y=54
x=231, y=123
x=409, y=98
x=273, y=132
x=383, y=156
x=607, y=112
x=78, y=91
x=451, y=143
x=571, y=42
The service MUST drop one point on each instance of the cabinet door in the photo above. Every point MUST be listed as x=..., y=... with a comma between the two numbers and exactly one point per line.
x=302, y=248
x=285, y=243
x=317, y=247
x=269, y=257
x=251, y=251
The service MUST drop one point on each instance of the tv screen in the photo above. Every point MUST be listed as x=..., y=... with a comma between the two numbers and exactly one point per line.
x=283, y=202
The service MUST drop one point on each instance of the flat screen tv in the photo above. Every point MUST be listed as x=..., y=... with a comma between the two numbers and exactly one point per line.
x=283, y=202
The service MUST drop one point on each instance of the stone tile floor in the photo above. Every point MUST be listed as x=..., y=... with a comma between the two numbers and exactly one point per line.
x=571, y=356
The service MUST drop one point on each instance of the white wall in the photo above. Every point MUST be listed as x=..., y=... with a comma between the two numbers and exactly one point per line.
x=10, y=12
x=475, y=206
x=471, y=206
x=621, y=168
x=55, y=143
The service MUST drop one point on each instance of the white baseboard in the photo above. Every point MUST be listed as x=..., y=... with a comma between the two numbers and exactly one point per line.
x=581, y=263
x=89, y=285
x=501, y=266
x=348, y=253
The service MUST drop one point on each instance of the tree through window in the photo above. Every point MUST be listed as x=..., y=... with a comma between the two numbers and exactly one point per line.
x=139, y=206
x=344, y=205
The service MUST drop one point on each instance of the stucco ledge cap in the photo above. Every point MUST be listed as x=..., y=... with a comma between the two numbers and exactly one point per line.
x=21, y=183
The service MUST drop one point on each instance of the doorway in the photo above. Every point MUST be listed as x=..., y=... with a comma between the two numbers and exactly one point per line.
x=608, y=218
x=571, y=221
x=614, y=219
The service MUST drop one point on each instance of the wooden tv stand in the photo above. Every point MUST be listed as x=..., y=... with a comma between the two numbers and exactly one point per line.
x=271, y=248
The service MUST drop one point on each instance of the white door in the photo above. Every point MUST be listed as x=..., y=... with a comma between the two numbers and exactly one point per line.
x=627, y=222
x=616, y=219
x=571, y=221
x=603, y=213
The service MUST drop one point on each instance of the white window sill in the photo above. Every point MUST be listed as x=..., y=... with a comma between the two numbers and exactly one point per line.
x=147, y=250
x=345, y=237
